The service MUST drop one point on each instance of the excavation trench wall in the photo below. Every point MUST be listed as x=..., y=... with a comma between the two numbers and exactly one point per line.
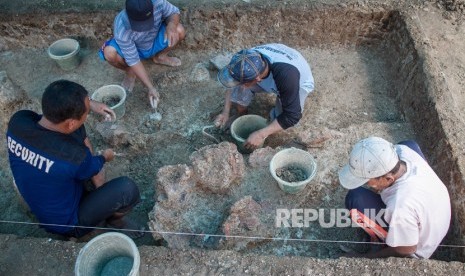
x=232, y=27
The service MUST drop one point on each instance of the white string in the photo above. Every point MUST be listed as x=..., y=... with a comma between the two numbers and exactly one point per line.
x=207, y=235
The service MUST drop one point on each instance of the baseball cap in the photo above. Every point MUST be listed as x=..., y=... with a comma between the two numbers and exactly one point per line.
x=244, y=67
x=140, y=14
x=370, y=158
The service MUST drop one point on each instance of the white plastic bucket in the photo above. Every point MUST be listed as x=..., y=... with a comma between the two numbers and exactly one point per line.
x=109, y=93
x=293, y=157
x=65, y=52
x=245, y=125
x=108, y=254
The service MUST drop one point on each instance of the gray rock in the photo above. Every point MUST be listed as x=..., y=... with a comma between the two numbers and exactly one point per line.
x=220, y=61
x=9, y=94
x=174, y=189
x=200, y=73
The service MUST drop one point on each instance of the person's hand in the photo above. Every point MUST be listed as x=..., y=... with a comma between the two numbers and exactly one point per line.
x=171, y=34
x=108, y=154
x=221, y=120
x=103, y=110
x=154, y=97
x=255, y=140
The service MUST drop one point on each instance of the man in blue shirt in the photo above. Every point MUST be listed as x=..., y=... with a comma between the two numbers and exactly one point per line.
x=51, y=159
x=145, y=29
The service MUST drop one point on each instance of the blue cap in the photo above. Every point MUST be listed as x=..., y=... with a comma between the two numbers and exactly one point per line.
x=140, y=15
x=244, y=67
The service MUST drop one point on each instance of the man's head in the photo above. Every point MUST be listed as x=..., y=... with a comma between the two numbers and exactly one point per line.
x=65, y=100
x=373, y=161
x=140, y=15
x=246, y=66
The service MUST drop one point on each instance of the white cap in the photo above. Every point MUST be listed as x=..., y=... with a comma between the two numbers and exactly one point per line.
x=370, y=158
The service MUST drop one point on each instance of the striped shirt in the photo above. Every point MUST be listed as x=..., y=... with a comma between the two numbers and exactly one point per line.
x=130, y=41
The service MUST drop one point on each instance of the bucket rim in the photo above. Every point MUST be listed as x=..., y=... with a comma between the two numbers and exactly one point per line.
x=131, y=243
x=119, y=87
x=241, y=118
x=76, y=49
x=293, y=184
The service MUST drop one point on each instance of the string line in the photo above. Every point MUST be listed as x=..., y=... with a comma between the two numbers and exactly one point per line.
x=208, y=235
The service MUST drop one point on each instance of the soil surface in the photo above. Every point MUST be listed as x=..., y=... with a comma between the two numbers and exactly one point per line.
x=353, y=98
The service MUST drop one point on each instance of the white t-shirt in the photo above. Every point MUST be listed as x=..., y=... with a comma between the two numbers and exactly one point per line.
x=417, y=206
x=276, y=53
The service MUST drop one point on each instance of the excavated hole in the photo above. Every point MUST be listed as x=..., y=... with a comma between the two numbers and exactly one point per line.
x=368, y=82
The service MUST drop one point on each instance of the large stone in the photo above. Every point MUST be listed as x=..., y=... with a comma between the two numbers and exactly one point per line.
x=174, y=185
x=244, y=220
x=174, y=189
x=9, y=93
x=217, y=167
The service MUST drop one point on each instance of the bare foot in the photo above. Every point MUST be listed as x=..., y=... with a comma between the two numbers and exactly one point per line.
x=167, y=60
x=128, y=83
x=127, y=227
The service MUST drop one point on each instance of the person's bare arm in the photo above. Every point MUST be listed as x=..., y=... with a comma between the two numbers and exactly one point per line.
x=139, y=70
x=223, y=118
x=99, y=179
x=103, y=110
x=256, y=138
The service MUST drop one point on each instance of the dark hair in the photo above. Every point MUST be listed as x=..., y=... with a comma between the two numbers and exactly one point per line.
x=63, y=100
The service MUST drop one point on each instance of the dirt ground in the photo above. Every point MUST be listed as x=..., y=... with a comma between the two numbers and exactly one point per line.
x=354, y=97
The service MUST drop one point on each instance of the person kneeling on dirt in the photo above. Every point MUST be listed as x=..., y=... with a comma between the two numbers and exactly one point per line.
x=145, y=29
x=269, y=68
x=409, y=205
x=51, y=159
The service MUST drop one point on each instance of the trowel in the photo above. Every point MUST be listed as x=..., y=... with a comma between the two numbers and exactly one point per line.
x=155, y=114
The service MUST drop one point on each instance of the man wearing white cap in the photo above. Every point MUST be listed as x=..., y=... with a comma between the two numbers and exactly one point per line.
x=270, y=68
x=415, y=202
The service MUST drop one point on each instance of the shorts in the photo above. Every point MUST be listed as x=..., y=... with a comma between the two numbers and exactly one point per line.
x=159, y=44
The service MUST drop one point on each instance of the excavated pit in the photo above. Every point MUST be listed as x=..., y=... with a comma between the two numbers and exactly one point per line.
x=370, y=79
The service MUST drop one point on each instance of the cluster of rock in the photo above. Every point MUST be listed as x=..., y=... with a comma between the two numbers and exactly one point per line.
x=204, y=185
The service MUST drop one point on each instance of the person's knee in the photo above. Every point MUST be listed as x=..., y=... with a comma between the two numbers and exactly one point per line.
x=112, y=56
x=181, y=32
x=354, y=198
x=362, y=199
x=127, y=185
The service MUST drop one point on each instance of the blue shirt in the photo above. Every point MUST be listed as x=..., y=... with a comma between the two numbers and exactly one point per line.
x=130, y=41
x=49, y=168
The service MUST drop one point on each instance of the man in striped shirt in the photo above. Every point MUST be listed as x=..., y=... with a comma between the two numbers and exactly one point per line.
x=145, y=29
